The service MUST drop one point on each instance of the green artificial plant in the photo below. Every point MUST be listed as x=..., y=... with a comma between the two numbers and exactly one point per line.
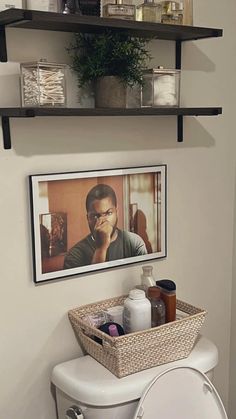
x=109, y=54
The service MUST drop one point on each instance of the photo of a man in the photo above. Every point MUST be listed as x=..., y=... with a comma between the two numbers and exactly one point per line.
x=105, y=242
x=88, y=221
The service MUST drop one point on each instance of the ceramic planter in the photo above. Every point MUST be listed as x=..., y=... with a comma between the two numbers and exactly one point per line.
x=110, y=92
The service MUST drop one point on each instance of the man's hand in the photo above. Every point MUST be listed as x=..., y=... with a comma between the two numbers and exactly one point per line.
x=102, y=233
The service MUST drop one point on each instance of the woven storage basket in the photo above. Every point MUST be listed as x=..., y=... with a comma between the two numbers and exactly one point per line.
x=124, y=355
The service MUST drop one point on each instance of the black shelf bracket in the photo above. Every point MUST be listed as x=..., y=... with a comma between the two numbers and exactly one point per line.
x=6, y=132
x=178, y=57
x=180, y=128
x=178, y=54
x=3, y=45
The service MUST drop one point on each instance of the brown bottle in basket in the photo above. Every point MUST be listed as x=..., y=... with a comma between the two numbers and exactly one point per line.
x=168, y=295
x=158, y=310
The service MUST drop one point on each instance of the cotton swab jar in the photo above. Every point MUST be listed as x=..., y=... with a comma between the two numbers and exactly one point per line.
x=43, y=84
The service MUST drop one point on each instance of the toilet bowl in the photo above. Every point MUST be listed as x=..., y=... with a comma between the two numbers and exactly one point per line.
x=179, y=390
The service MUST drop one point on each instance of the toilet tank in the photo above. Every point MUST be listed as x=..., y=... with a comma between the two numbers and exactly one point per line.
x=99, y=394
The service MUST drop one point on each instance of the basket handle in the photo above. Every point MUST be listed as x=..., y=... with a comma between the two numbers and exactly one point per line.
x=95, y=332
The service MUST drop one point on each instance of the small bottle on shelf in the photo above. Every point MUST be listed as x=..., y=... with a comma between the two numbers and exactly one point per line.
x=149, y=11
x=172, y=12
x=119, y=10
x=158, y=310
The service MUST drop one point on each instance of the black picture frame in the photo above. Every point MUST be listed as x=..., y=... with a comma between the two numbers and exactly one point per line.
x=60, y=220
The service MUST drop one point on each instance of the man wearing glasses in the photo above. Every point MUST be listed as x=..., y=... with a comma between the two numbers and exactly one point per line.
x=105, y=242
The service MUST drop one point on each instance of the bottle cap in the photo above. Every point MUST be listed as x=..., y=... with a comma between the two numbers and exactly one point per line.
x=136, y=294
x=105, y=329
x=113, y=331
x=147, y=269
x=166, y=284
x=154, y=292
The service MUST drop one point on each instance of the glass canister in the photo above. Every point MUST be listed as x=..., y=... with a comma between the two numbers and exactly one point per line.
x=149, y=11
x=43, y=5
x=161, y=87
x=43, y=84
x=172, y=12
x=13, y=4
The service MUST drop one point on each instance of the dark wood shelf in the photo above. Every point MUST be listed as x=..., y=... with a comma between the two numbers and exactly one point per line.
x=7, y=113
x=34, y=112
x=32, y=19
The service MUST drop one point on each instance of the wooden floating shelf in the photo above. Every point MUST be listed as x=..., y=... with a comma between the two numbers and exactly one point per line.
x=7, y=113
x=34, y=112
x=33, y=19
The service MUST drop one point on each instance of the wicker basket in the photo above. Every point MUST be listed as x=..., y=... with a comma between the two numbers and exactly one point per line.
x=124, y=355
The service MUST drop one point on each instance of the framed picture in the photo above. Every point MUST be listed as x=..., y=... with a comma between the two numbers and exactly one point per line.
x=87, y=221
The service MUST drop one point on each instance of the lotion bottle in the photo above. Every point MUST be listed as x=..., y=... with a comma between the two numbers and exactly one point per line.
x=147, y=279
x=137, y=312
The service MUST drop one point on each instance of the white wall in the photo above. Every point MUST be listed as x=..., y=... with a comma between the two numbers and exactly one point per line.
x=35, y=332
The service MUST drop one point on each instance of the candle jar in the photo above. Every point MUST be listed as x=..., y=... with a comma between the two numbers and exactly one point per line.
x=43, y=84
x=161, y=87
x=19, y=4
x=103, y=3
x=119, y=10
x=172, y=12
x=149, y=11
x=43, y=5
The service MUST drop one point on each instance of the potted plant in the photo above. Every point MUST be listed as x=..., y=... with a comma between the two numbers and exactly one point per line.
x=111, y=61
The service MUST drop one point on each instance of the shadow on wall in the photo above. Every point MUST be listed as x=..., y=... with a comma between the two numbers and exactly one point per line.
x=45, y=136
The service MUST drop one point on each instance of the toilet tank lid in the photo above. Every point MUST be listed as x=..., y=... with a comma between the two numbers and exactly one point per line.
x=87, y=381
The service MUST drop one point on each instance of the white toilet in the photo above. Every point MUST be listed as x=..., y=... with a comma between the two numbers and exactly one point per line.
x=179, y=390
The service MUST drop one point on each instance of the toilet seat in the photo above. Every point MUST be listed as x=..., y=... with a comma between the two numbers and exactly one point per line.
x=180, y=393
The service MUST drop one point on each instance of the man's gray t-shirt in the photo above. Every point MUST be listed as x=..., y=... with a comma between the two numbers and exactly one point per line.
x=126, y=245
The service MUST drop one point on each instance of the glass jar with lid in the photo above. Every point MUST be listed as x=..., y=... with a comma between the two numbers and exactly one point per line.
x=43, y=84
x=172, y=12
x=149, y=11
x=161, y=87
x=119, y=10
